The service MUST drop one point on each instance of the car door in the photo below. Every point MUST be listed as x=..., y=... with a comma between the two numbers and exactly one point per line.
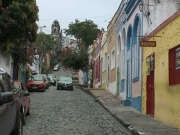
x=25, y=98
x=8, y=111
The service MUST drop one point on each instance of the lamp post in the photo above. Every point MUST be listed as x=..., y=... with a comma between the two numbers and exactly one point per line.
x=40, y=58
x=42, y=28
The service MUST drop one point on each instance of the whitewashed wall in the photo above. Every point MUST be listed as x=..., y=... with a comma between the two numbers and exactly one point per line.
x=6, y=62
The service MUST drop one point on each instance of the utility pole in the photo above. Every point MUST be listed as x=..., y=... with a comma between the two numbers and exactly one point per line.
x=42, y=55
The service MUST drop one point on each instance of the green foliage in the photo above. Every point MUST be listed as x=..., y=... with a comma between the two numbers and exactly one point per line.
x=44, y=41
x=86, y=31
x=76, y=59
x=17, y=25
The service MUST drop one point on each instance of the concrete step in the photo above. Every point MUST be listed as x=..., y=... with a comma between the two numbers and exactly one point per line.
x=76, y=81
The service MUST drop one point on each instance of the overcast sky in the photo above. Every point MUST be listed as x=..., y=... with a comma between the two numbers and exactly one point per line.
x=66, y=11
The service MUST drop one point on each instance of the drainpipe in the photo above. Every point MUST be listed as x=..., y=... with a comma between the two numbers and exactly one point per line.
x=142, y=56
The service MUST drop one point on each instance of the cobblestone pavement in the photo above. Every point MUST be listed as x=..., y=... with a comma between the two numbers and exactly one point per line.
x=69, y=113
x=60, y=112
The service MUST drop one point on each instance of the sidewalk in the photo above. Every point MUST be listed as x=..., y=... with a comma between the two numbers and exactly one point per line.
x=137, y=123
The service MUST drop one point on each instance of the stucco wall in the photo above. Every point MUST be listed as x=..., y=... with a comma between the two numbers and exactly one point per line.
x=167, y=98
x=112, y=44
x=6, y=64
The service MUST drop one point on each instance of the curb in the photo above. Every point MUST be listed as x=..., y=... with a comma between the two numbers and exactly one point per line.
x=123, y=123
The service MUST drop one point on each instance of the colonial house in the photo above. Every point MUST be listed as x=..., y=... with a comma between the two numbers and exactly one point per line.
x=140, y=19
x=161, y=72
x=97, y=75
x=103, y=55
x=111, y=55
x=121, y=39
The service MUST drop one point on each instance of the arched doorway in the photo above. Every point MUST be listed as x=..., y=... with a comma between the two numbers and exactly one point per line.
x=123, y=65
x=128, y=68
x=118, y=82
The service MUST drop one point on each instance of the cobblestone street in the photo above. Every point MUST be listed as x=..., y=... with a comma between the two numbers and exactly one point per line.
x=58, y=112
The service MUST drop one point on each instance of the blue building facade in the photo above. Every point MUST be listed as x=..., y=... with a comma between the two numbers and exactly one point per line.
x=128, y=35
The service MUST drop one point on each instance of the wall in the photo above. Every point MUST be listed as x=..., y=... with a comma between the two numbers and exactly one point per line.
x=104, y=67
x=111, y=44
x=7, y=64
x=166, y=97
x=80, y=77
x=158, y=12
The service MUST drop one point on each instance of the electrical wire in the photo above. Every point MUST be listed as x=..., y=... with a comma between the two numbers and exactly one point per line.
x=77, y=18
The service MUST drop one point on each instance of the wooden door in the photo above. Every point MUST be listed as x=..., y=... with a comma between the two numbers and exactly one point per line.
x=150, y=94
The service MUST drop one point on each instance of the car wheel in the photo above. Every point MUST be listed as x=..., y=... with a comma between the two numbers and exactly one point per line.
x=24, y=117
x=19, y=128
x=28, y=112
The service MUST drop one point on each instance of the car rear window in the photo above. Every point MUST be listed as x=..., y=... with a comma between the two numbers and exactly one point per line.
x=67, y=79
x=36, y=78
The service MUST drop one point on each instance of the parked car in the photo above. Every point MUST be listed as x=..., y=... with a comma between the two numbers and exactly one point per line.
x=26, y=98
x=56, y=67
x=36, y=83
x=65, y=83
x=52, y=80
x=47, y=80
x=11, y=106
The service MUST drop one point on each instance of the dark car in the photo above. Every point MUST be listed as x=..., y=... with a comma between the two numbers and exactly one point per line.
x=65, y=83
x=11, y=106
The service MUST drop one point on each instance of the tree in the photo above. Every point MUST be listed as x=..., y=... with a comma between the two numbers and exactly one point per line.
x=75, y=59
x=18, y=25
x=45, y=43
x=85, y=31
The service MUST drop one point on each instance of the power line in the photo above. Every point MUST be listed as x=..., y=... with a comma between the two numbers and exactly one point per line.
x=77, y=18
x=105, y=20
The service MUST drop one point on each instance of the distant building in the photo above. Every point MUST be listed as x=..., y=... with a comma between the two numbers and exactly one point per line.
x=68, y=42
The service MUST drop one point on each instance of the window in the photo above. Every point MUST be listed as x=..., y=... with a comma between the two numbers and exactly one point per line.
x=105, y=62
x=135, y=55
x=174, y=65
x=112, y=59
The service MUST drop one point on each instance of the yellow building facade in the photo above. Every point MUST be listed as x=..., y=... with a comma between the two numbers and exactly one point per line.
x=103, y=55
x=161, y=83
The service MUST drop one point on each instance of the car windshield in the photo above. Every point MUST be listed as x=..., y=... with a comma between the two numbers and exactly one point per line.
x=36, y=78
x=56, y=66
x=16, y=85
x=67, y=79
x=51, y=78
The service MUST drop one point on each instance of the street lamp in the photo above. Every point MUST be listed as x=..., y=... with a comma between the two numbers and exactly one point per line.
x=42, y=28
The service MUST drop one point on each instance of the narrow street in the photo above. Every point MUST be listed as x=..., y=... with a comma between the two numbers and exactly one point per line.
x=69, y=113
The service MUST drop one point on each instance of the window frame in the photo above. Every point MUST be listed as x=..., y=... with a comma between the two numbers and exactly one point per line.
x=113, y=59
x=173, y=71
x=105, y=62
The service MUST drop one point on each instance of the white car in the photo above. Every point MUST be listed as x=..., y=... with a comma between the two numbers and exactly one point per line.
x=57, y=67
